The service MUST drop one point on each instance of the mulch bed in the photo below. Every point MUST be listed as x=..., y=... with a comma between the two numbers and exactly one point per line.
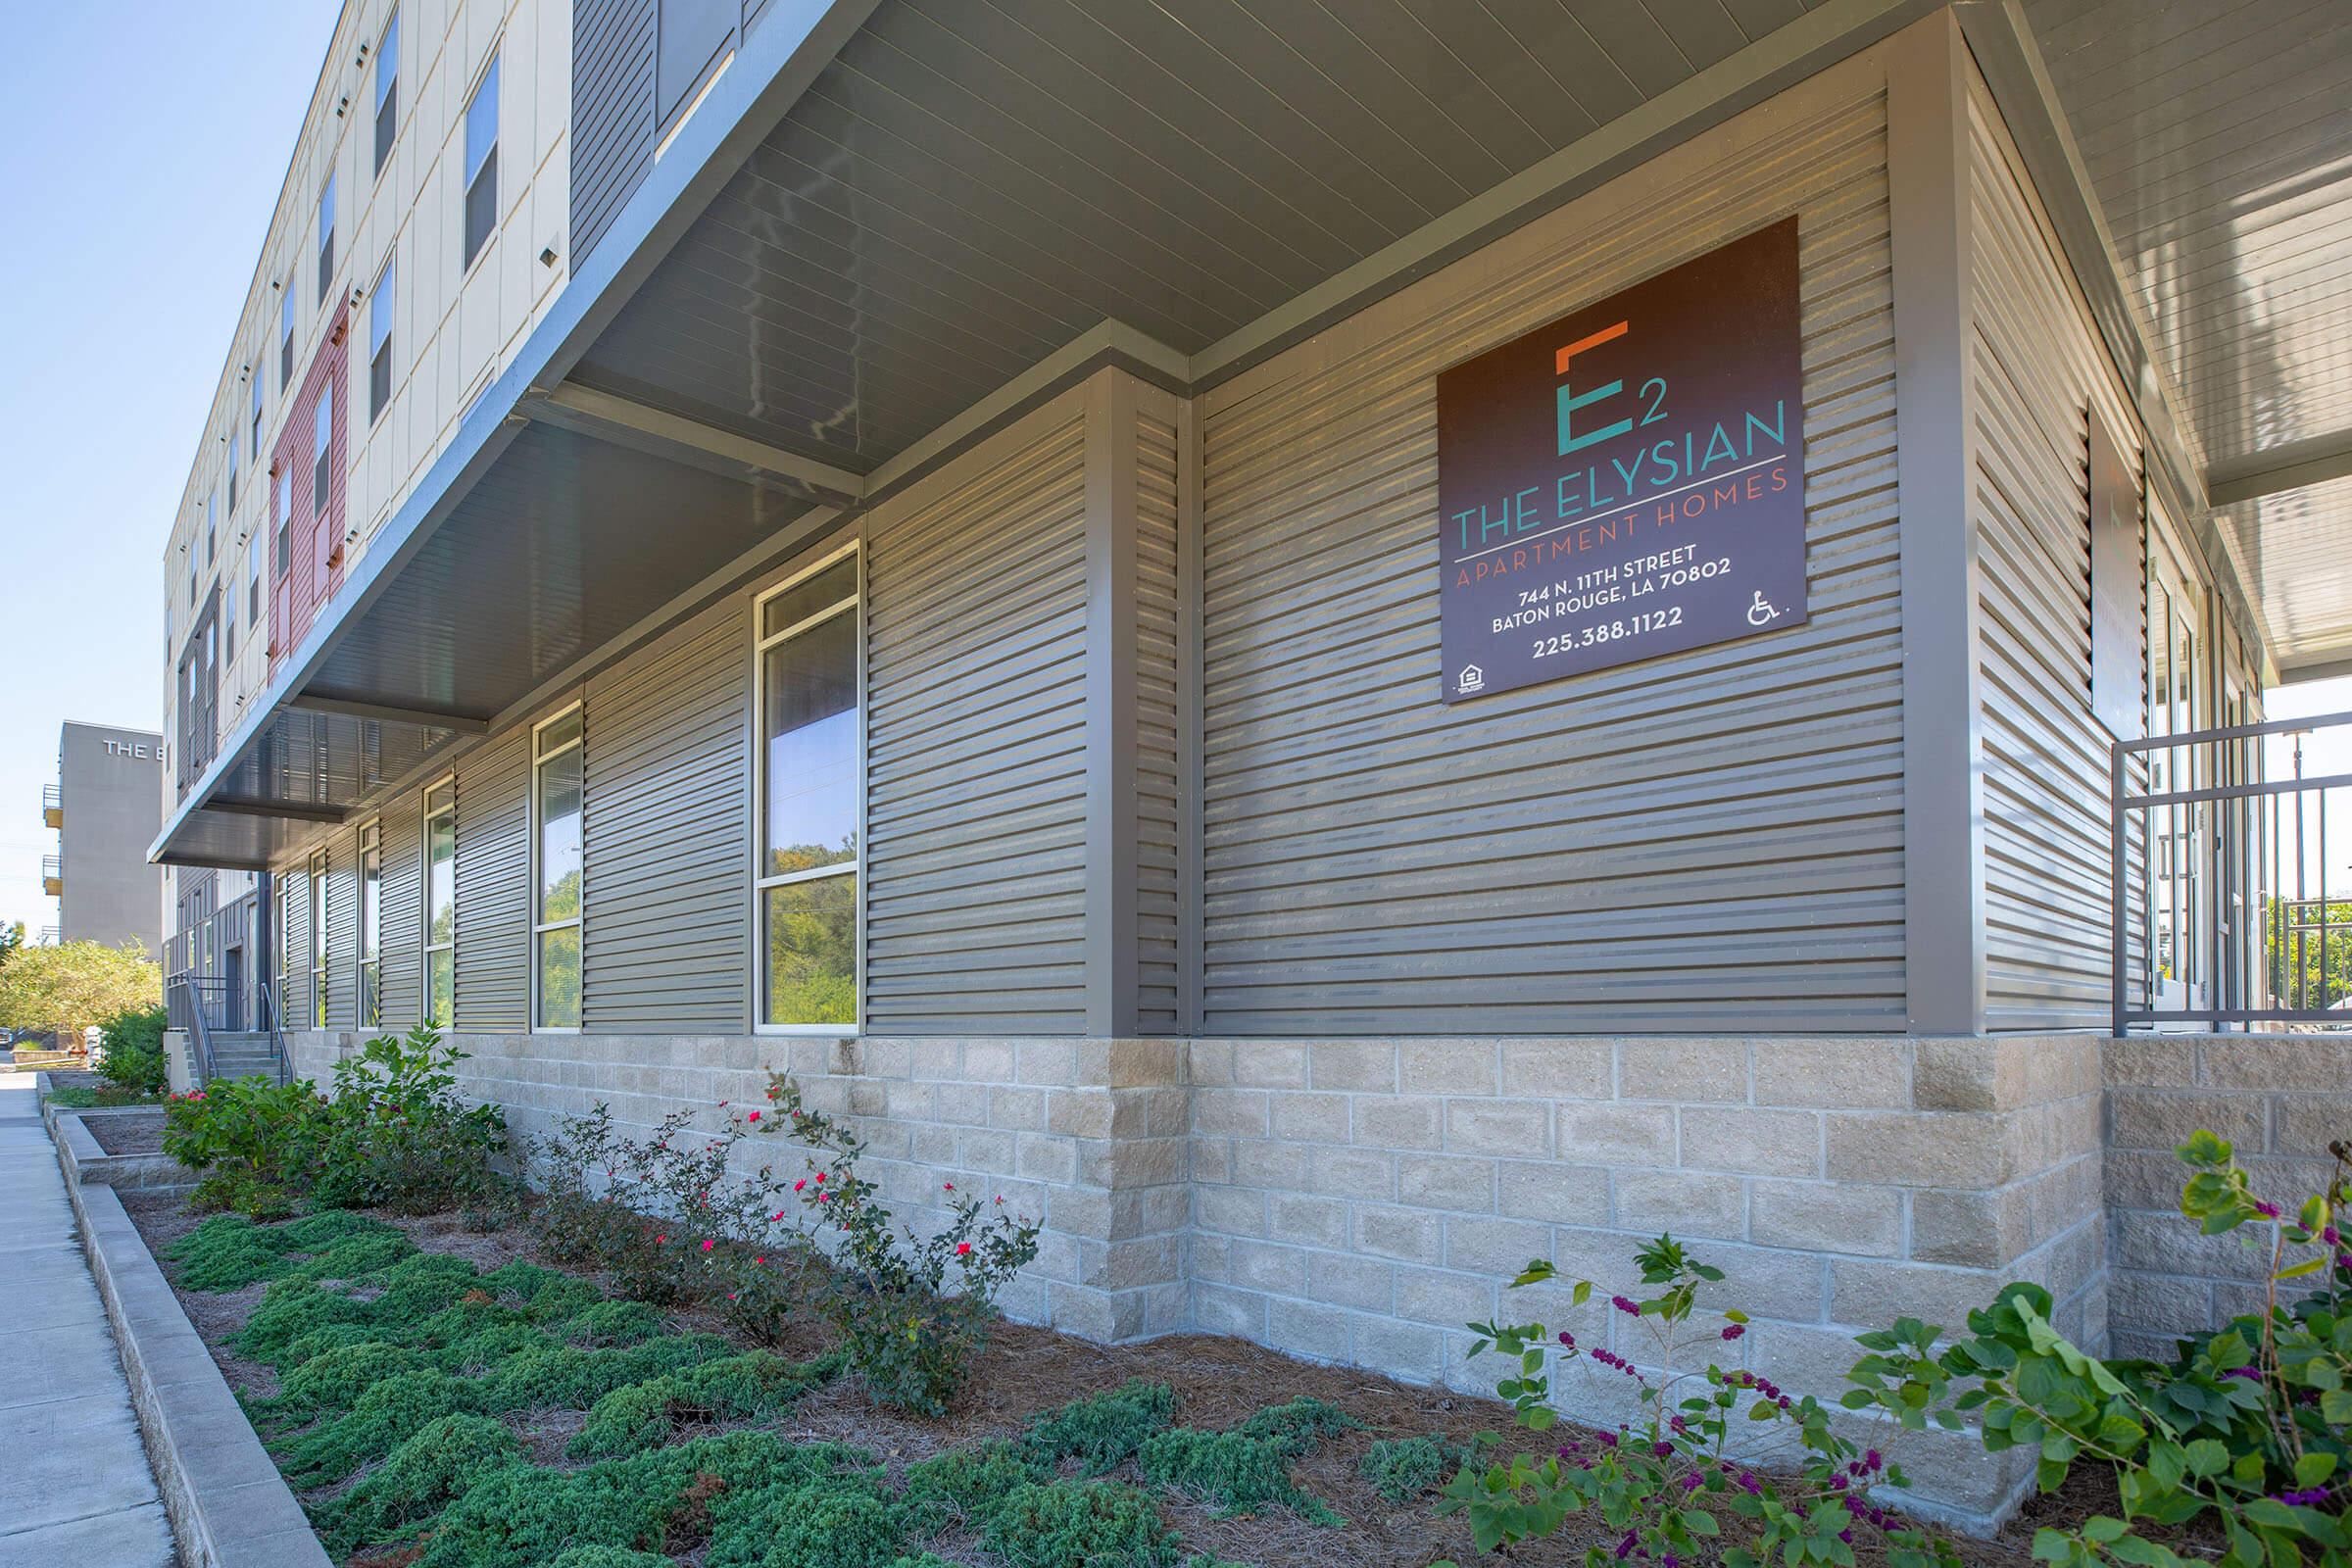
x=129, y=1132
x=1218, y=1381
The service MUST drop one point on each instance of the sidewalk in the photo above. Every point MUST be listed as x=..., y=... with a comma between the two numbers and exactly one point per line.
x=75, y=1487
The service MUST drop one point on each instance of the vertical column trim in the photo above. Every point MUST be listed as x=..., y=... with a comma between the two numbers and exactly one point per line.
x=1111, y=975
x=1944, y=783
x=1191, y=948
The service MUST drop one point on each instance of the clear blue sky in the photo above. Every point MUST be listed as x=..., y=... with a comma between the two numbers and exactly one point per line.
x=142, y=150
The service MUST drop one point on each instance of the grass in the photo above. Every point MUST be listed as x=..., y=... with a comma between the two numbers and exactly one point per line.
x=409, y=1382
x=82, y=1096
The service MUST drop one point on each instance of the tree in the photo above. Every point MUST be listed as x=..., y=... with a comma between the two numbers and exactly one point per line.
x=75, y=985
x=2302, y=975
x=12, y=937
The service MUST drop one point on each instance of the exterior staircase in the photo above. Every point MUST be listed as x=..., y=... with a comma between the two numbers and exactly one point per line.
x=243, y=1053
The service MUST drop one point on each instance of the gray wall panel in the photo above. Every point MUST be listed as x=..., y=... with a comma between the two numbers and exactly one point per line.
x=975, y=787
x=293, y=951
x=493, y=885
x=1710, y=841
x=1157, y=790
x=611, y=113
x=343, y=931
x=667, y=875
x=404, y=912
x=2040, y=372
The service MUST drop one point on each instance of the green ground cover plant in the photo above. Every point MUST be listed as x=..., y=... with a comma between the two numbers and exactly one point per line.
x=408, y=1382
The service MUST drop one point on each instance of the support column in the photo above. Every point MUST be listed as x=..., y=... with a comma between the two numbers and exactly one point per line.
x=1943, y=782
x=1112, y=976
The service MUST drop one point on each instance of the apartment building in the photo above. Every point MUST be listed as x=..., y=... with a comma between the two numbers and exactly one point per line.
x=1339, y=645
x=107, y=804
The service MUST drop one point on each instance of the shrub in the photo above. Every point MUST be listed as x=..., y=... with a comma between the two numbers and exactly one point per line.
x=398, y=1134
x=1099, y=1524
x=1101, y=1430
x=1246, y=1468
x=909, y=1338
x=1666, y=1481
x=829, y=1523
x=2248, y=1424
x=423, y=1475
x=259, y=1141
x=133, y=1046
x=1401, y=1469
x=974, y=1483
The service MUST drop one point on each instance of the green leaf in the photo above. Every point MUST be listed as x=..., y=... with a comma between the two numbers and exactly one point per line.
x=1700, y=1523
x=2132, y=1548
x=2206, y=1458
x=2314, y=1468
x=2335, y=1406
x=2310, y=1265
x=2104, y=1529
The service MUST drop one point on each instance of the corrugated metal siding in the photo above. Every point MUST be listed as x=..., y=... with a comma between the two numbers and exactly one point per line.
x=976, y=759
x=667, y=875
x=1158, y=790
x=343, y=932
x=1711, y=841
x=2046, y=846
x=404, y=912
x=611, y=113
x=293, y=951
x=493, y=875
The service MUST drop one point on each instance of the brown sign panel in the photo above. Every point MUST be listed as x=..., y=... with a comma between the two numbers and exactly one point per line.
x=1629, y=481
x=2118, y=575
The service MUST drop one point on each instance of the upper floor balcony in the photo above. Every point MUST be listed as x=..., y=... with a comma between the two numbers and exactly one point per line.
x=53, y=805
x=53, y=876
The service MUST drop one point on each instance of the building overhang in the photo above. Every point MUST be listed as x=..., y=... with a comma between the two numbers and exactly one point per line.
x=876, y=239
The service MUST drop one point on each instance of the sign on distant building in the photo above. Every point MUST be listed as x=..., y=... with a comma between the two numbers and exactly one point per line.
x=1629, y=481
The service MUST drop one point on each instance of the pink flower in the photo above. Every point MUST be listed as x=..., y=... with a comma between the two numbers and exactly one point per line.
x=754, y=1116
x=951, y=1187
x=706, y=1244
x=658, y=1239
x=795, y=1187
x=963, y=1247
x=722, y=1104
x=821, y=1178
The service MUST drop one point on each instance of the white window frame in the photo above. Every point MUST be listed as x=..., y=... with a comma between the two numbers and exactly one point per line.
x=369, y=997
x=484, y=79
x=330, y=216
x=387, y=283
x=387, y=84
x=577, y=923
x=315, y=869
x=424, y=902
x=761, y=644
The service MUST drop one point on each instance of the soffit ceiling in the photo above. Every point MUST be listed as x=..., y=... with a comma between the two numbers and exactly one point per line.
x=971, y=184
x=2218, y=138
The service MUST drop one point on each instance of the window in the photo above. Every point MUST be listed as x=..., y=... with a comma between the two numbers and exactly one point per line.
x=212, y=530
x=285, y=519
x=256, y=437
x=284, y=890
x=379, y=344
x=387, y=92
x=805, y=878
x=228, y=620
x=191, y=585
x=318, y=921
x=558, y=781
x=285, y=358
x=481, y=162
x=371, y=893
x=253, y=584
x=440, y=901
x=323, y=438
x=232, y=470
x=327, y=238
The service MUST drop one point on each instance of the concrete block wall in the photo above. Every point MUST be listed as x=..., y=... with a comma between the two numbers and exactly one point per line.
x=2280, y=1100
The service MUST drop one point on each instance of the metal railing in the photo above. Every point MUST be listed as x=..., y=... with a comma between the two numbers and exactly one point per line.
x=53, y=870
x=269, y=1021
x=53, y=805
x=2228, y=905
x=188, y=1007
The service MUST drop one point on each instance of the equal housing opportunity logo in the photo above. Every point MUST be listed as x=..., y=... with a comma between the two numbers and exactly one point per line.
x=1627, y=480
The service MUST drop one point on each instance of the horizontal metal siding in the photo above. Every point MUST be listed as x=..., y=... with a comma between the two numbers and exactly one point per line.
x=293, y=951
x=1710, y=841
x=2038, y=368
x=1157, y=790
x=493, y=876
x=667, y=874
x=975, y=754
x=343, y=932
x=611, y=113
x=404, y=912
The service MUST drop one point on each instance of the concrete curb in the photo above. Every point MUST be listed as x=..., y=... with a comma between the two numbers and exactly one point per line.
x=228, y=1506
x=85, y=1162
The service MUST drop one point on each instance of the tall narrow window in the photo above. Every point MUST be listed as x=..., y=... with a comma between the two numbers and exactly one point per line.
x=253, y=583
x=232, y=470
x=285, y=352
x=228, y=618
x=323, y=438
x=805, y=880
x=440, y=901
x=318, y=921
x=282, y=1006
x=387, y=92
x=212, y=530
x=481, y=162
x=379, y=344
x=285, y=520
x=372, y=897
x=556, y=802
x=256, y=437
x=327, y=238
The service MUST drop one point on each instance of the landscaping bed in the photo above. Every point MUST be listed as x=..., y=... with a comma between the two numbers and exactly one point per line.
x=129, y=1132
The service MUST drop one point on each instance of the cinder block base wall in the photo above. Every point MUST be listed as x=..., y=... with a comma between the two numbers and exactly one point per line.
x=1361, y=1200
x=2279, y=1101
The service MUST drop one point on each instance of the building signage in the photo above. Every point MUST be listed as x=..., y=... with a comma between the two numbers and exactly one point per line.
x=1628, y=482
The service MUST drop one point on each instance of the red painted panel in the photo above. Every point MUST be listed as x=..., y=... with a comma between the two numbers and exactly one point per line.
x=314, y=541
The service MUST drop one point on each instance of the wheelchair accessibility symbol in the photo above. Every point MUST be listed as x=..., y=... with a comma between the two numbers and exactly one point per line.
x=1761, y=613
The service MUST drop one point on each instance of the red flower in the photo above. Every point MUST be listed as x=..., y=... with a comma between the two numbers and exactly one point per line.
x=821, y=1178
x=706, y=1244
x=754, y=1116
x=962, y=1248
x=658, y=1239
x=951, y=1187
x=795, y=1187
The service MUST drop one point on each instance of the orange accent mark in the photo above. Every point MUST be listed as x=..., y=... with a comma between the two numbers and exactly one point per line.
x=1583, y=343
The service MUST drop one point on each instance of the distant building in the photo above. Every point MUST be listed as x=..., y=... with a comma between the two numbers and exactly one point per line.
x=107, y=808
